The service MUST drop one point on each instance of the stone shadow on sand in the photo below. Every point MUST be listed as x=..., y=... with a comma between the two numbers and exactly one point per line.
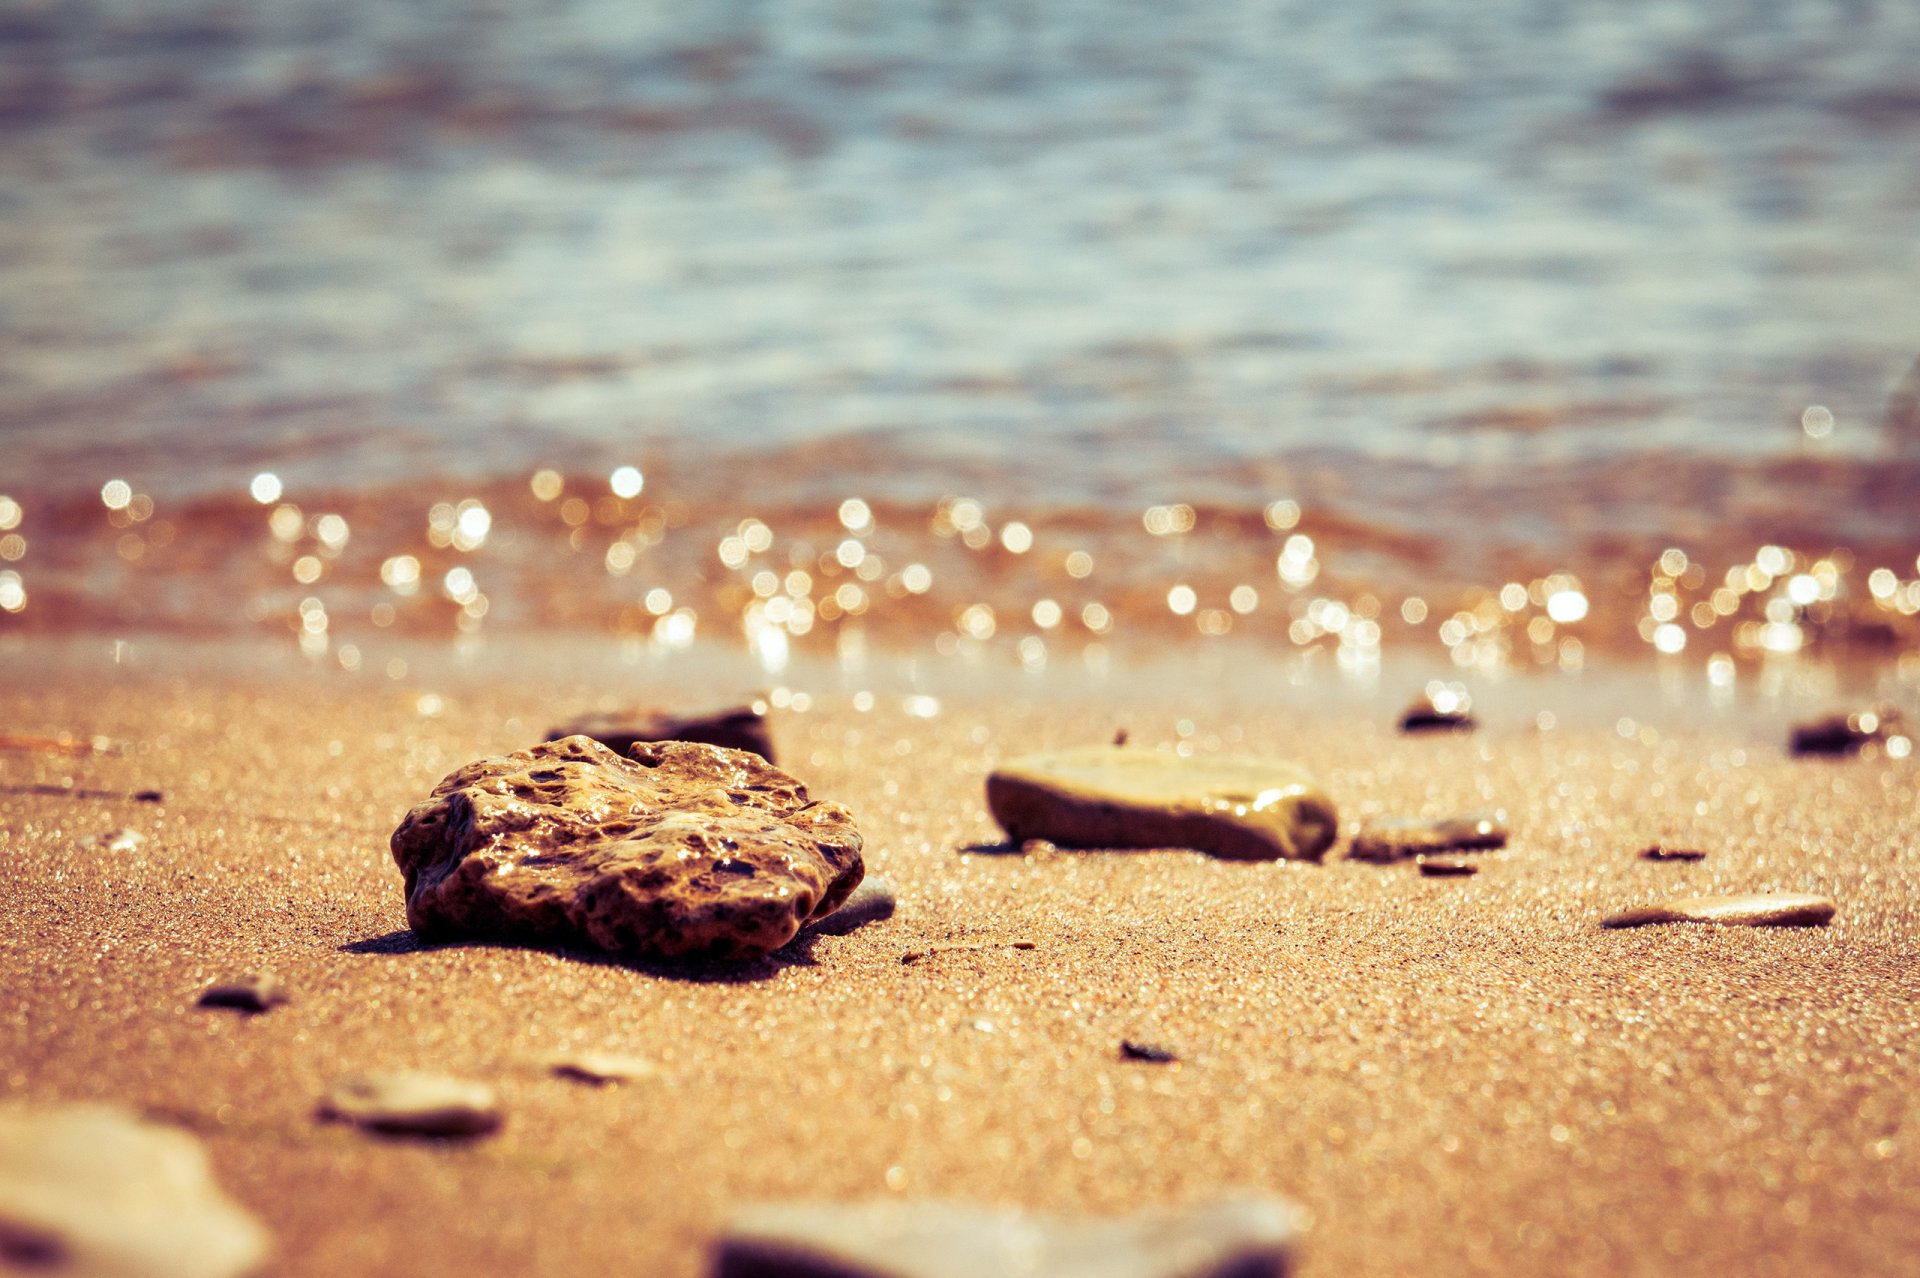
x=795, y=953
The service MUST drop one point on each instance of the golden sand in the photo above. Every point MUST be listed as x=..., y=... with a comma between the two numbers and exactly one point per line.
x=1454, y=1075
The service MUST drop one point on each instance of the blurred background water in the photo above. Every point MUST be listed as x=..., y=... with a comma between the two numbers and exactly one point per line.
x=1519, y=272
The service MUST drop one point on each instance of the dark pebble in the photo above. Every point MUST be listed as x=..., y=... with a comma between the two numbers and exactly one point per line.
x=253, y=993
x=1151, y=1053
x=1842, y=733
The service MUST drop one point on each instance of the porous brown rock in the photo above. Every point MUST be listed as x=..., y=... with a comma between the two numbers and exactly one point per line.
x=681, y=851
x=734, y=728
x=1108, y=797
x=1235, y=1238
x=1757, y=909
x=94, y=1191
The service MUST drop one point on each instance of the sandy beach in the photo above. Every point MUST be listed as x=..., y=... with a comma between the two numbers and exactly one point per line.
x=1454, y=1076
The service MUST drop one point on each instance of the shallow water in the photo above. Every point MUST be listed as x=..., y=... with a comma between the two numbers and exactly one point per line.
x=1491, y=295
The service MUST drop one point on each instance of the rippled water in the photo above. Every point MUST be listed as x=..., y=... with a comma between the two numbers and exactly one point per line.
x=1490, y=290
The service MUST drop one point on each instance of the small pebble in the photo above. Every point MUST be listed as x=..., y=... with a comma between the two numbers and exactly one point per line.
x=602, y=1067
x=872, y=901
x=1842, y=733
x=1663, y=852
x=254, y=992
x=120, y=840
x=1784, y=909
x=1383, y=841
x=414, y=1104
x=1446, y=867
x=1443, y=707
x=1152, y=1053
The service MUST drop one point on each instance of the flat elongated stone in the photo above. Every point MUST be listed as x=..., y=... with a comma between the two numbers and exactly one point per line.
x=1843, y=733
x=415, y=1104
x=1670, y=852
x=1442, y=707
x=602, y=1067
x=1446, y=867
x=1243, y=1238
x=1150, y=1053
x=1104, y=797
x=254, y=992
x=735, y=728
x=1784, y=909
x=1382, y=841
x=93, y=1191
x=681, y=851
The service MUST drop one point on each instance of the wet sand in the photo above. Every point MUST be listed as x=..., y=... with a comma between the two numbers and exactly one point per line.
x=1454, y=1075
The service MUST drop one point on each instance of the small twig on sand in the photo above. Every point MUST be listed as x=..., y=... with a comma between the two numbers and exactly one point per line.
x=914, y=956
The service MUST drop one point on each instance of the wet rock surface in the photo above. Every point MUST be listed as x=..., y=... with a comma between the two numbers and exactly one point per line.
x=405, y=1102
x=1108, y=797
x=1245, y=1238
x=94, y=1191
x=682, y=851
x=1401, y=840
x=742, y=727
x=1446, y=867
x=253, y=992
x=1783, y=909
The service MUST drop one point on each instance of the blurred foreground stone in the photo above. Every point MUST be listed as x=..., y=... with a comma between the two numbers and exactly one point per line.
x=94, y=1191
x=1244, y=1238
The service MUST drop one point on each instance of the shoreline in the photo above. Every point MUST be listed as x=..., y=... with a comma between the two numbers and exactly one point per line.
x=1452, y=1075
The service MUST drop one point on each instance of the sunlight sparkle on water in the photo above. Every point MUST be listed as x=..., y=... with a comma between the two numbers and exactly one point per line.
x=1567, y=606
x=1282, y=515
x=265, y=488
x=626, y=482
